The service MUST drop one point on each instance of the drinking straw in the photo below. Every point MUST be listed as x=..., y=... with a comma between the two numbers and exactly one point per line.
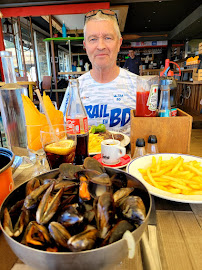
x=46, y=114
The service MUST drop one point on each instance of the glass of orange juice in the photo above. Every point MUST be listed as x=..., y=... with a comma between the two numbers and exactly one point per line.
x=58, y=145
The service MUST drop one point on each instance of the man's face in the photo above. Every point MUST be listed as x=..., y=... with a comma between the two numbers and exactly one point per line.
x=131, y=54
x=102, y=43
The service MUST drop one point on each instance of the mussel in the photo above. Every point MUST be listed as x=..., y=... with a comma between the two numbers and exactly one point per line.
x=59, y=234
x=133, y=209
x=83, y=241
x=105, y=213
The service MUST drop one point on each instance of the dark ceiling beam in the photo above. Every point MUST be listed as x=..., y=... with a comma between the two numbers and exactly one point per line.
x=135, y=1
x=8, y=4
x=194, y=17
x=25, y=3
x=80, y=8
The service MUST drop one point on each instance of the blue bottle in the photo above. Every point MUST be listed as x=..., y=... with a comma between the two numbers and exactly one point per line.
x=164, y=103
x=64, y=30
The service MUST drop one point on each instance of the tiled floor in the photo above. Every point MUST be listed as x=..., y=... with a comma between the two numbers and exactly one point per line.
x=196, y=142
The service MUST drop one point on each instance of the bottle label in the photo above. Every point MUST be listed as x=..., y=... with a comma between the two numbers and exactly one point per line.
x=73, y=126
x=85, y=124
x=152, y=99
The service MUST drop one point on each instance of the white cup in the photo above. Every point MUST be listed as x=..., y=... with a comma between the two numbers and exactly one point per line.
x=111, y=151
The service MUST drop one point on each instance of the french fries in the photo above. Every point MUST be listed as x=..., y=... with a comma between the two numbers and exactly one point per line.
x=174, y=175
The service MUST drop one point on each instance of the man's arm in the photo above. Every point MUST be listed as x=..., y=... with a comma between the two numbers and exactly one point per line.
x=141, y=70
x=126, y=64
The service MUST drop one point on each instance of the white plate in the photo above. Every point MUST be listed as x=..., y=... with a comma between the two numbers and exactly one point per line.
x=124, y=142
x=145, y=161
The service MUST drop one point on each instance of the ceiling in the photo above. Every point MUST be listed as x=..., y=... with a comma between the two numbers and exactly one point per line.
x=176, y=20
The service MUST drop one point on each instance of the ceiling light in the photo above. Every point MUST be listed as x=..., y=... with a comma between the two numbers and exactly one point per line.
x=149, y=20
x=154, y=12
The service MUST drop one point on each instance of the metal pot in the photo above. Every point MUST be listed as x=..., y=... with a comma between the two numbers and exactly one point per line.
x=100, y=258
x=6, y=179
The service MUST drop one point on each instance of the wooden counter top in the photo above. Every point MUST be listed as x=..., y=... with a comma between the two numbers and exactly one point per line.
x=188, y=82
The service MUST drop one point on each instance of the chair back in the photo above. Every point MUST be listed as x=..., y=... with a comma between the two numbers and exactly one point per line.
x=46, y=83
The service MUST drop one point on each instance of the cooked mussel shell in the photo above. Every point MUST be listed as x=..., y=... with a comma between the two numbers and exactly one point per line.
x=119, y=180
x=105, y=213
x=68, y=170
x=66, y=185
x=48, y=205
x=32, y=199
x=59, y=234
x=32, y=185
x=71, y=216
x=92, y=164
x=36, y=235
x=117, y=232
x=83, y=241
x=121, y=194
x=133, y=209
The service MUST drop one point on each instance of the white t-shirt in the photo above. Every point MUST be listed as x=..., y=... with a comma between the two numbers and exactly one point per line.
x=108, y=103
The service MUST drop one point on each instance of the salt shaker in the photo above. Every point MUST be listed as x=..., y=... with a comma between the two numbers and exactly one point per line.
x=140, y=148
x=152, y=147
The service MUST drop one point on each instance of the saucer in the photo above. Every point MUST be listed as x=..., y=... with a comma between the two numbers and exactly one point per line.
x=123, y=161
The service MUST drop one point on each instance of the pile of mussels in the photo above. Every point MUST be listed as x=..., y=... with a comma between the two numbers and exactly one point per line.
x=80, y=209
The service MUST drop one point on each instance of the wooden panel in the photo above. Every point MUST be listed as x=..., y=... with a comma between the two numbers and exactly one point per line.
x=172, y=245
x=173, y=133
x=192, y=104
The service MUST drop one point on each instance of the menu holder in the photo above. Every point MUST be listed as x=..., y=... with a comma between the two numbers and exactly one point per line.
x=173, y=133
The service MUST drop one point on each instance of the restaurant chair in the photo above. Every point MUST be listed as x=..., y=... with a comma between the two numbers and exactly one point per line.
x=46, y=84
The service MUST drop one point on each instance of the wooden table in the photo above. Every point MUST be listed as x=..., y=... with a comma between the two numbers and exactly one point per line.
x=30, y=84
x=179, y=231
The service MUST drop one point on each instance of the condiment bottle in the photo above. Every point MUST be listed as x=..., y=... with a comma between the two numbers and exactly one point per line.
x=77, y=122
x=140, y=148
x=64, y=30
x=146, y=96
x=152, y=147
x=164, y=103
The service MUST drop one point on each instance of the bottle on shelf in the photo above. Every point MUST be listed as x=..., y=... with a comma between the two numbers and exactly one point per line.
x=164, y=103
x=77, y=122
x=152, y=147
x=64, y=30
x=140, y=148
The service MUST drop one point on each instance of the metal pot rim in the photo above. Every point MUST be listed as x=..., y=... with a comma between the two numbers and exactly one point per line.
x=10, y=155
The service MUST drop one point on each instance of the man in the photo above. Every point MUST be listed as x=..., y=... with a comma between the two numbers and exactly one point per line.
x=107, y=91
x=133, y=63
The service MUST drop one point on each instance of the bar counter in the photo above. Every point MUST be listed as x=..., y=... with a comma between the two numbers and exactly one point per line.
x=179, y=230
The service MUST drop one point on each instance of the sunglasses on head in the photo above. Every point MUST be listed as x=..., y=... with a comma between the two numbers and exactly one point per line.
x=103, y=11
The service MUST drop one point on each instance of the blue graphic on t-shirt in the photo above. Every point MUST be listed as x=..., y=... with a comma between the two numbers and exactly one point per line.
x=116, y=116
